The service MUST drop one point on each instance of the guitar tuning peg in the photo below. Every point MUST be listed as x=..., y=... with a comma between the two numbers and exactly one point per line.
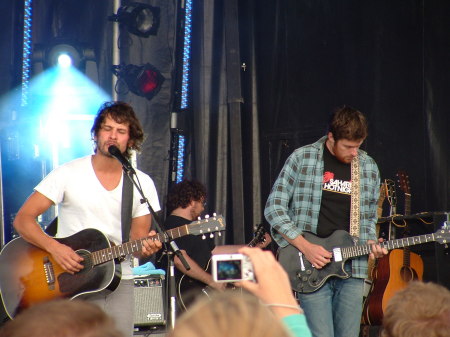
x=211, y=235
x=207, y=216
x=220, y=234
x=203, y=237
x=214, y=214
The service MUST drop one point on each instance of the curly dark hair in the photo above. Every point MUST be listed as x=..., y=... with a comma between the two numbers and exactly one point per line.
x=181, y=194
x=120, y=112
x=348, y=123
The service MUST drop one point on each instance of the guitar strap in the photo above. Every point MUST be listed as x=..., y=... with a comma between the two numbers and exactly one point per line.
x=354, y=199
x=127, y=204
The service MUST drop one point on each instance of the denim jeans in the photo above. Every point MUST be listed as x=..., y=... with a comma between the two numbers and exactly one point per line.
x=335, y=309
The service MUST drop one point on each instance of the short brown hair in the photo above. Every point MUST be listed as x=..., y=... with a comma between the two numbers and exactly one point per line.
x=348, y=123
x=120, y=112
x=420, y=309
x=61, y=318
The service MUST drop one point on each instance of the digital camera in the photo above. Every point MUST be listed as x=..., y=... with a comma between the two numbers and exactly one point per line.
x=231, y=268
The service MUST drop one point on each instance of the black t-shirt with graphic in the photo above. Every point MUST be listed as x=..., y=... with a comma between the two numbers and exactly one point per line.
x=336, y=192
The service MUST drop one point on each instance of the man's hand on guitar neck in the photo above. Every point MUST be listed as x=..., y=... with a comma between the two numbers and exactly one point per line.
x=150, y=246
x=317, y=255
x=377, y=251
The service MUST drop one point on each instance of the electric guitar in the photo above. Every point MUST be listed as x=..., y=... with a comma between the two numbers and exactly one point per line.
x=189, y=288
x=29, y=275
x=305, y=278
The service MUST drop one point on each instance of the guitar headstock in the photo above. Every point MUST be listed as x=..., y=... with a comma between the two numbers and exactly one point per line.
x=258, y=235
x=443, y=235
x=381, y=199
x=403, y=182
x=383, y=194
x=216, y=223
x=391, y=195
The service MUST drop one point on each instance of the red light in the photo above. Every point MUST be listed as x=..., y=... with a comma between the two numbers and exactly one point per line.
x=148, y=81
x=144, y=80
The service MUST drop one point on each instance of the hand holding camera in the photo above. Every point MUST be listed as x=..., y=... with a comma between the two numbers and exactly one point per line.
x=231, y=268
x=271, y=283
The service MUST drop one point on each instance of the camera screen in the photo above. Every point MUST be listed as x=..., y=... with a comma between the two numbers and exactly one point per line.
x=229, y=270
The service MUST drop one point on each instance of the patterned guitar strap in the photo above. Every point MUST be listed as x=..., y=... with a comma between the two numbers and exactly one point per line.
x=354, y=199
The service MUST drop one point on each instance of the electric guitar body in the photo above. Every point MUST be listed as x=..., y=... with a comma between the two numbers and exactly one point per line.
x=305, y=278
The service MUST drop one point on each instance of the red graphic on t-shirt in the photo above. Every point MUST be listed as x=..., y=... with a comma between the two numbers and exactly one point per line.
x=327, y=176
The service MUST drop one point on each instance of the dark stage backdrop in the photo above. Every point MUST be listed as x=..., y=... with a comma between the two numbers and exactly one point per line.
x=388, y=59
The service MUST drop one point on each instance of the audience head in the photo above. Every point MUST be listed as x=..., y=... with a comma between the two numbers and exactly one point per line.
x=420, y=309
x=61, y=318
x=229, y=313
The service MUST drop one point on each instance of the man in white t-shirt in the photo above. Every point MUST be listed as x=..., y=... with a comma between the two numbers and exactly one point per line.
x=88, y=193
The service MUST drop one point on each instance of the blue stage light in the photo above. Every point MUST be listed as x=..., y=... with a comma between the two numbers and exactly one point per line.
x=180, y=157
x=186, y=55
x=64, y=60
x=26, y=52
x=63, y=55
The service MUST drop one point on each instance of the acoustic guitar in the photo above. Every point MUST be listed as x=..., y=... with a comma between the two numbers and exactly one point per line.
x=381, y=198
x=29, y=275
x=394, y=271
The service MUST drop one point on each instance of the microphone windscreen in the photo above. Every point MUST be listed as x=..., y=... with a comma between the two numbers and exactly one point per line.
x=114, y=150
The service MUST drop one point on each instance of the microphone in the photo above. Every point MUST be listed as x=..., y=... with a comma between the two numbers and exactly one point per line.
x=115, y=152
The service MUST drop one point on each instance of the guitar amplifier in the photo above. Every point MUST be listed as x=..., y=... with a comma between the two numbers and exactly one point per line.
x=149, y=301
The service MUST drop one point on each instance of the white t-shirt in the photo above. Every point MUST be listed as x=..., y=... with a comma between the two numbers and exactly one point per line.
x=83, y=202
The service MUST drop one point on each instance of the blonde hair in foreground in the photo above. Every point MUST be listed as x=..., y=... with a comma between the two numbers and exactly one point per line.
x=229, y=313
x=419, y=310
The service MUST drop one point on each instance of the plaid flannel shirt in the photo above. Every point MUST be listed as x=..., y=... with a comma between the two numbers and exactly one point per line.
x=294, y=203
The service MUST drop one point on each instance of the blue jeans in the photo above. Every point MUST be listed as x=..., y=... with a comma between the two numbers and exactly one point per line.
x=335, y=309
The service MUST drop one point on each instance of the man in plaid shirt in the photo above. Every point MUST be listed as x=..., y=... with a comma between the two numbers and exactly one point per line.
x=312, y=194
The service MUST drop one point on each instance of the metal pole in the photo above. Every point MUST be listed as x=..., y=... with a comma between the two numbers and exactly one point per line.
x=115, y=49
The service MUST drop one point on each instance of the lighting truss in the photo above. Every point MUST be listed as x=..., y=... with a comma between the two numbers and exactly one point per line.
x=26, y=50
x=186, y=55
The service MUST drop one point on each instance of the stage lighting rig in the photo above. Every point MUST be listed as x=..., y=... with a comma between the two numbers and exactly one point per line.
x=63, y=53
x=143, y=80
x=140, y=19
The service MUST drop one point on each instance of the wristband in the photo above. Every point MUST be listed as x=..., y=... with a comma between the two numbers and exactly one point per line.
x=281, y=305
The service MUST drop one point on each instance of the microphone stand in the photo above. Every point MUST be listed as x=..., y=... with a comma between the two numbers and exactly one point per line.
x=130, y=172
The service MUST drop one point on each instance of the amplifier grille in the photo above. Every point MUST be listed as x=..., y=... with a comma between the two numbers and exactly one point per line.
x=149, y=301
